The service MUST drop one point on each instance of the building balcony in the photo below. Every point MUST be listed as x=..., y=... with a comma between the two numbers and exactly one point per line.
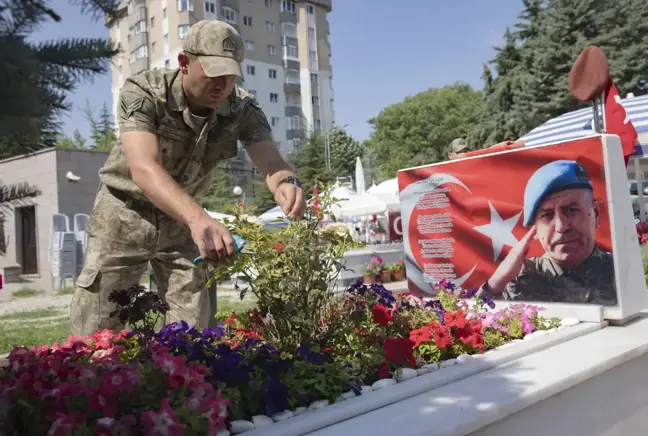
x=287, y=17
x=293, y=111
x=138, y=40
x=291, y=64
x=233, y=4
x=290, y=87
x=139, y=65
x=289, y=40
x=138, y=14
x=295, y=134
x=326, y=4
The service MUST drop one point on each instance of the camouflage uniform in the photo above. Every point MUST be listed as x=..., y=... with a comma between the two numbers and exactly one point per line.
x=125, y=230
x=542, y=279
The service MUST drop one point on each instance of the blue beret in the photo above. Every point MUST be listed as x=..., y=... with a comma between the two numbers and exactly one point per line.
x=554, y=177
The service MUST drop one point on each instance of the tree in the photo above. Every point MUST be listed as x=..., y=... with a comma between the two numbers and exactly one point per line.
x=10, y=194
x=418, y=130
x=221, y=192
x=309, y=162
x=530, y=81
x=103, y=134
x=344, y=151
x=263, y=198
x=76, y=141
x=42, y=75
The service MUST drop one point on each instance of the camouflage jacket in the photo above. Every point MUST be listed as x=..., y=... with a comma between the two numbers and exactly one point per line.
x=542, y=279
x=154, y=102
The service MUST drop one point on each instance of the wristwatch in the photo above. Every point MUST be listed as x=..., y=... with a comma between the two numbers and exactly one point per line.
x=292, y=180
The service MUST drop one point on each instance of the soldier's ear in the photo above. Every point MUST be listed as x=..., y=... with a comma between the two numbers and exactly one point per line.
x=183, y=62
x=597, y=213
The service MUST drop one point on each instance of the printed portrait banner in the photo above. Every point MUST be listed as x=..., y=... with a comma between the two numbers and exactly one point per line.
x=462, y=218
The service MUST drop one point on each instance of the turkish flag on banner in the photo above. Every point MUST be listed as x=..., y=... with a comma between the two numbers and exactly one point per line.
x=461, y=218
x=617, y=121
x=395, y=226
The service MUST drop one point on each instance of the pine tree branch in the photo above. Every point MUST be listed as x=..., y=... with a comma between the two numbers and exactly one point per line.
x=18, y=191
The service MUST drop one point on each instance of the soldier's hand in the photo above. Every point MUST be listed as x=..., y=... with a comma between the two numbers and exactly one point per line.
x=512, y=264
x=213, y=239
x=291, y=200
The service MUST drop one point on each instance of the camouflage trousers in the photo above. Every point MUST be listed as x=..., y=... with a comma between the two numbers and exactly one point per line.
x=124, y=235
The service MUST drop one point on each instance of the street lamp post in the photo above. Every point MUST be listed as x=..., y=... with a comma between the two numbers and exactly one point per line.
x=327, y=146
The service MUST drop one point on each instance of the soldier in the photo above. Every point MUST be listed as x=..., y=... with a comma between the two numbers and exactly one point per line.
x=559, y=204
x=457, y=147
x=175, y=127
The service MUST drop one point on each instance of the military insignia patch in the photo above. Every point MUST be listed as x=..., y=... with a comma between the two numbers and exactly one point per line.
x=581, y=173
x=134, y=106
x=229, y=45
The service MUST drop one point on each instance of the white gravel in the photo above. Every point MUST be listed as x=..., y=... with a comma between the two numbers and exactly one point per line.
x=34, y=303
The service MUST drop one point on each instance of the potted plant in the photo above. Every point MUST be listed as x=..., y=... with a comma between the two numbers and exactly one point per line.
x=385, y=273
x=398, y=270
x=372, y=269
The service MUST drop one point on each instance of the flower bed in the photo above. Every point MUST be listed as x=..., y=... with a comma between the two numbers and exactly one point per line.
x=301, y=349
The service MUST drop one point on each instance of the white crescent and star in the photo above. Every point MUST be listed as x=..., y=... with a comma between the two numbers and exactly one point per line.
x=499, y=230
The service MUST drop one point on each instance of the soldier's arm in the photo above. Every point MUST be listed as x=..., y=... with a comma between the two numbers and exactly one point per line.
x=256, y=136
x=136, y=116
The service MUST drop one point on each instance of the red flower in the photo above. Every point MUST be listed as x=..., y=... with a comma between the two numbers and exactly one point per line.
x=103, y=338
x=420, y=335
x=442, y=337
x=278, y=247
x=381, y=315
x=231, y=319
x=383, y=370
x=399, y=350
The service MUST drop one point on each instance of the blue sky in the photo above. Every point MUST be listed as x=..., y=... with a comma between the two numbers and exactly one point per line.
x=382, y=51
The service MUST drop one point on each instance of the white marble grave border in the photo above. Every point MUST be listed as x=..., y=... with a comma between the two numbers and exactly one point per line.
x=321, y=414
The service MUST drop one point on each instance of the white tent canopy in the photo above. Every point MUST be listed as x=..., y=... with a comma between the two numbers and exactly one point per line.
x=387, y=187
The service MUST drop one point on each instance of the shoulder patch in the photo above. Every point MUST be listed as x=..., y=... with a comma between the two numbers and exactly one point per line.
x=261, y=118
x=130, y=109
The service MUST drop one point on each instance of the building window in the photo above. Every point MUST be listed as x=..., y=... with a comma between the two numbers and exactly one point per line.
x=272, y=73
x=310, y=9
x=152, y=22
x=210, y=7
x=294, y=123
x=288, y=6
x=313, y=77
x=183, y=30
x=185, y=5
x=292, y=76
x=289, y=29
x=251, y=70
x=311, y=33
x=247, y=21
x=249, y=45
x=167, y=64
x=290, y=52
x=317, y=124
x=268, y=3
x=274, y=97
x=152, y=47
x=315, y=101
x=272, y=50
x=274, y=121
x=229, y=15
x=139, y=27
x=139, y=53
x=270, y=26
x=164, y=13
x=166, y=41
x=129, y=7
x=253, y=93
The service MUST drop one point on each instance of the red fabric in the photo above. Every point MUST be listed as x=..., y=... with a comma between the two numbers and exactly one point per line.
x=617, y=121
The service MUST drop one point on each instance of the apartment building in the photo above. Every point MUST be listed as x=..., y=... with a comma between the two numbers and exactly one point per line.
x=287, y=53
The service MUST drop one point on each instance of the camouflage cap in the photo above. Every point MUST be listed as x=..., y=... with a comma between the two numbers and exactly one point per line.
x=218, y=46
x=459, y=145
